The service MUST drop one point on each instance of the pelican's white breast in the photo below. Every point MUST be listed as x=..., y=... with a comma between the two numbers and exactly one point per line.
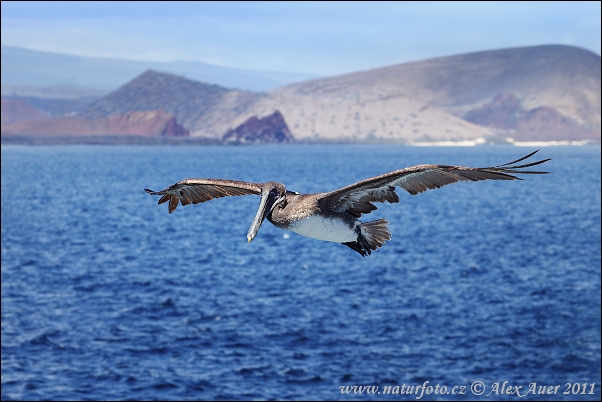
x=321, y=228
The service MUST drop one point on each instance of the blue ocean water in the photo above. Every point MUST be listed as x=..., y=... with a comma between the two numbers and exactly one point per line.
x=107, y=296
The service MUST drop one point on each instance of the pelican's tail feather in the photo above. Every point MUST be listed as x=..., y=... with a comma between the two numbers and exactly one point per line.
x=370, y=236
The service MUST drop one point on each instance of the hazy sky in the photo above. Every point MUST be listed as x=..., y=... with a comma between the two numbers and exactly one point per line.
x=325, y=38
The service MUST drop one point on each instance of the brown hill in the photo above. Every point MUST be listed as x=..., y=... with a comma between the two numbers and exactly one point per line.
x=196, y=105
x=563, y=78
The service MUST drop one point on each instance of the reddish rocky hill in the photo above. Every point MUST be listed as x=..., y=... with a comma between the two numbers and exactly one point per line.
x=14, y=110
x=149, y=123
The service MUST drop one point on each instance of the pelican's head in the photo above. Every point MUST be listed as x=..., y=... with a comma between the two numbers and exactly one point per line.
x=272, y=194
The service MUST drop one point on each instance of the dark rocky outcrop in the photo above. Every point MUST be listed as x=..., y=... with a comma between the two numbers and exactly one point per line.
x=270, y=129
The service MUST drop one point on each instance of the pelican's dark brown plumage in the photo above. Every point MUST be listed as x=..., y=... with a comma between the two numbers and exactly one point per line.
x=333, y=216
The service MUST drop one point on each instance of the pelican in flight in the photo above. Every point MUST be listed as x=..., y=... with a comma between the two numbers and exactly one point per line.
x=334, y=216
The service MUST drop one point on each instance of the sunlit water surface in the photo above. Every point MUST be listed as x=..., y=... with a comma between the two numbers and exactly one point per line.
x=107, y=296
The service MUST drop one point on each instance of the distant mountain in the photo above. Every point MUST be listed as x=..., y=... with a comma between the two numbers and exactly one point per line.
x=23, y=71
x=56, y=107
x=51, y=92
x=17, y=110
x=539, y=93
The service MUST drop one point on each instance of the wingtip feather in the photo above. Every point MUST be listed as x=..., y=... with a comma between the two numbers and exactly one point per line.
x=520, y=159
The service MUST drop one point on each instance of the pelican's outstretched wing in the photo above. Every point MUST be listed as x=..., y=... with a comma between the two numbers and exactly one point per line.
x=357, y=198
x=193, y=191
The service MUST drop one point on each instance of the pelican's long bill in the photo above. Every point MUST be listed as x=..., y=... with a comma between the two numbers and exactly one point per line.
x=269, y=198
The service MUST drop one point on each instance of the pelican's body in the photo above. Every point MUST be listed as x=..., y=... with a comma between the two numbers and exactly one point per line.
x=333, y=216
x=302, y=215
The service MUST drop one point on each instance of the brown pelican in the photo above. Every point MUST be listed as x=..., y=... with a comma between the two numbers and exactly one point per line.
x=333, y=216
